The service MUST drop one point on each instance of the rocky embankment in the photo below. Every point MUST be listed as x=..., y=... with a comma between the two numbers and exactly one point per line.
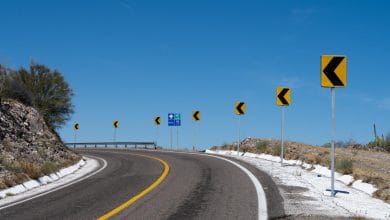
x=28, y=148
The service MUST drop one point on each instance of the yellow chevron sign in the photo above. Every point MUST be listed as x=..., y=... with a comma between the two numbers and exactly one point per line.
x=196, y=115
x=115, y=124
x=283, y=96
x=333, y=71
x=76, y=126
x=240, y=108
x=157, y=120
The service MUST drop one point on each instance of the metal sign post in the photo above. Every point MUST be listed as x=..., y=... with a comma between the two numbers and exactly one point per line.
x=240, y=109
x=114, y=137
x=195, y=137
x=196, y=118
x=156, y=136
x=75, y=128
x=115, y=124
x=75, y=138
x=332, y=144
x=177, y=138
x=174, y=120
x=282, y=137
x=283, y=98
x=171, y=138
x=333, y=75
x=238, y=143
x=157, y=122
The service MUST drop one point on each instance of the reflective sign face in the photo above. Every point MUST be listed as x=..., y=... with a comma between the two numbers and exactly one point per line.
x=196, y=115
x=240, y=108
x=333, y=71
x=115, y=124
x=157, y=120
x=283, y=96
x=76, y=126
x=174, y=119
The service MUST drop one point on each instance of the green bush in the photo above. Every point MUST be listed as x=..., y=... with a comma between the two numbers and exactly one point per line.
x=344, y=166
x=39, y=87
x=276, y=151
x=49, y=167
x=261, y=147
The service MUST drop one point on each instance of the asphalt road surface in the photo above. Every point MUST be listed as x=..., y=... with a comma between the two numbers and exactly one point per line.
x=197, y=187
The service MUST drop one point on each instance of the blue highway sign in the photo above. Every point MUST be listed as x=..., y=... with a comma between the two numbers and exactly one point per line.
x=174, y=119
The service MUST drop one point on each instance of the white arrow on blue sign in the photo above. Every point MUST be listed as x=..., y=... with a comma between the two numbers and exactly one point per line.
x=174, y=119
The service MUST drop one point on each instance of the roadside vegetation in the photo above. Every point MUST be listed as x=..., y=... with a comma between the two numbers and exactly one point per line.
x=369, y=163
x=40, y=87
x=34, y=103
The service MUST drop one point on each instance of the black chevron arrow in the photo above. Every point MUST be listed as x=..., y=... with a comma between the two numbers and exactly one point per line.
x=196, y=116
x=239, y=108
x=157, y=120
x=281, y=96
x=116, y=124
x=330, y=68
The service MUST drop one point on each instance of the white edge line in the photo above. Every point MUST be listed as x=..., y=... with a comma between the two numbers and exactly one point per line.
x=262, y=201
x=60, y=187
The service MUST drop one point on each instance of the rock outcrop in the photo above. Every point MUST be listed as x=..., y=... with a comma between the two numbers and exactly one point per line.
x=28, y=148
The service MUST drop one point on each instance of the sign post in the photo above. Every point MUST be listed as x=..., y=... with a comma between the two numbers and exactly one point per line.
x=115, y=124
x=333, y=75
x=76, y=128
x=240, y=108
x=174, y=121
x=157, y=122
x=196, y=118
x=283, y=98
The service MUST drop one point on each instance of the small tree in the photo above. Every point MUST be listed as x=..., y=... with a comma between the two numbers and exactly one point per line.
x=12, y=89
x=46, y=90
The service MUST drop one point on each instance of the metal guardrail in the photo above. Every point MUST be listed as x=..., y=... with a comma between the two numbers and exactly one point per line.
x=144, y=145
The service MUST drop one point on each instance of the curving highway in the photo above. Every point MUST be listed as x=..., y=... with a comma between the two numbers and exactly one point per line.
x=139, y=184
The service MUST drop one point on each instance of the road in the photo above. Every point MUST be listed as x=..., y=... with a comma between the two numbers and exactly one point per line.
x=196, y=187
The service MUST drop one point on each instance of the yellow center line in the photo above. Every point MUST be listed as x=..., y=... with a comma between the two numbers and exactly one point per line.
x=141, y=194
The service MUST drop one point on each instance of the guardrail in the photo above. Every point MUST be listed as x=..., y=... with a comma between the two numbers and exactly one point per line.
x=144, y=145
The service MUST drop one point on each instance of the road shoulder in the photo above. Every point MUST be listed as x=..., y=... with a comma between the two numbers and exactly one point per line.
x=91, y=166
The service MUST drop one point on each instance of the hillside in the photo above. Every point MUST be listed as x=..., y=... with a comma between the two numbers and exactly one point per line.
x=28, y=148
x=369, y=165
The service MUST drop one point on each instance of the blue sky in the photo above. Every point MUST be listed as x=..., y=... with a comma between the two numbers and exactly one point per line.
x=131, y=60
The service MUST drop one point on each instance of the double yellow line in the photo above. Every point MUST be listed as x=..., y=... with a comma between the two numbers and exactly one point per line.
x=141, y=194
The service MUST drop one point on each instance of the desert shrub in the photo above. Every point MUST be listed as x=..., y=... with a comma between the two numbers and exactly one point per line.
x=261, y=147
x=11, y=165
x=276, y=150
x=313, y=158
x=344, y=166
x=9, y=181
x=32, y=170
x=49, y=167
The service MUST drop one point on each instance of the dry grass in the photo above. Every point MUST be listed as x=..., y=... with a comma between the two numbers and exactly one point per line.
x=32, y=170
x=19, y=172
x=369, y=166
